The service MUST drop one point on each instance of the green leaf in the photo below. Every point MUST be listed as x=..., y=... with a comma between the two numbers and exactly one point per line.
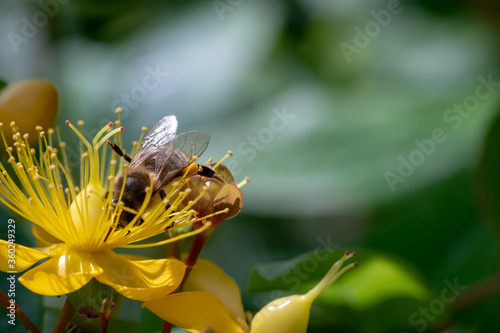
x=2, y=84
x=488, y=176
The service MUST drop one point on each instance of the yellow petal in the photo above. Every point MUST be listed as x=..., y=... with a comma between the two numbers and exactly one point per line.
x=141, y=280
x=62, y=275
x=207, y=276
x=194, y=311
x=17, y=258
x=43, y=237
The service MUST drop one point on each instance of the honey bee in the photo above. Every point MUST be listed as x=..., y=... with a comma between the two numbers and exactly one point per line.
x=164, y=154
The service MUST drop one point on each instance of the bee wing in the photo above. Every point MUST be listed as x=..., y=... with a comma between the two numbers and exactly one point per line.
x=169, y=163
x=162, y=134
x=192, y=143
x=157, y=145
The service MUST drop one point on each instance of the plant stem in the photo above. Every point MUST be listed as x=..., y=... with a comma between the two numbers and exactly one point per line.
x=106, y=314
x=478, y=292
x=199, y=241
x=475, y=294
x=20, y=316
x=190, y=261
x=166, y=328
x=63, y=319
x=173, y=249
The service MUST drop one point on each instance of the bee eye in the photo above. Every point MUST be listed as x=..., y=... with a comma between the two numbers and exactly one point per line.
x=115, y=201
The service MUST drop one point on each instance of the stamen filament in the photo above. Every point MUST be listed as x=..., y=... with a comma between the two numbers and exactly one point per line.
x=205, y=226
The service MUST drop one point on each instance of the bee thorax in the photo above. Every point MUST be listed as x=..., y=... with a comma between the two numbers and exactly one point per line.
x=134, y=191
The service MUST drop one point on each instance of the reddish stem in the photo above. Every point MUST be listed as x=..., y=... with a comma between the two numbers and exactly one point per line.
x=166, y=328
x=106, y=314
x=20, y=316
x=190, y=261
x=63, y=319
x=199, y=241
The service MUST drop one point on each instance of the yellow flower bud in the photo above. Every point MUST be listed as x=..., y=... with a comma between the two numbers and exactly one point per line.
x=29, y=103
x=291, y=314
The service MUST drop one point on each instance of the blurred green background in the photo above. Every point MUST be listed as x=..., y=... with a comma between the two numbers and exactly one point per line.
x=364, y=125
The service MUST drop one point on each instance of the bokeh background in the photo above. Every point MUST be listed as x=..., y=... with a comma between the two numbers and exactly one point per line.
x=365, y=125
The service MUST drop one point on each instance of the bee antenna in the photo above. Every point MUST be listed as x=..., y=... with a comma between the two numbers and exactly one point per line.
x=119, y=151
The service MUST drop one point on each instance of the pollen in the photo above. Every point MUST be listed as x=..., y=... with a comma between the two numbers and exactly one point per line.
x=245, y=181
x=229, y=153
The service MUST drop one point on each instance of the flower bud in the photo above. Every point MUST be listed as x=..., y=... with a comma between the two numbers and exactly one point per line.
x=291, y=314
x=29, y=103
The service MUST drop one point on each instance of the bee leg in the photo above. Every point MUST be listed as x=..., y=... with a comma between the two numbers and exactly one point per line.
x=119, y=151
x=163, y=195
x=208, y=172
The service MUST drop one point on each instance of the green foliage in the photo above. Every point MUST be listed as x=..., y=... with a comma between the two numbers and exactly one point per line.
x=488, y=176
x=322, y=175
x=359, y=301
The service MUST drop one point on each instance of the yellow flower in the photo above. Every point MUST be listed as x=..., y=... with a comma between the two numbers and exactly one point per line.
x=211, y=299
x=76, y=224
